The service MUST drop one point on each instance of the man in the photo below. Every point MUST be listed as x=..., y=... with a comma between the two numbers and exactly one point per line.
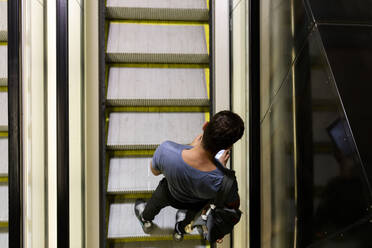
x=192, y=175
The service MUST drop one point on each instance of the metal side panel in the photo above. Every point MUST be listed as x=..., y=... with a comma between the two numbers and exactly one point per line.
x=3, y=156
x=4, y=211
x=151, y=43
x=147, y=130
x=195, y=10
x=157, y=86
x=131, y=175
x=3, y=21
x=3, y=65
x=123, y=223
x=3, y=111
x=163, y=244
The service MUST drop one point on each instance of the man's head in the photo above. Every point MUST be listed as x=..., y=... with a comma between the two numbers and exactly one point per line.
x=224, y=129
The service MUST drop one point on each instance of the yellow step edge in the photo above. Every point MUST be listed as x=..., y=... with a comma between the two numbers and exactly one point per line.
x=3, y=134
x=158, y=109
x=4, y=224
x=4, y=179
x=3, y=88
x=155, y=22
x=129, y=196
x=3, y=43
x=141, y=65
x=131, y=153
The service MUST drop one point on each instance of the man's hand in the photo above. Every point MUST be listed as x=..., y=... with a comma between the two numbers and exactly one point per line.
x=154, y=171
x=197, y=140
x=225, y=157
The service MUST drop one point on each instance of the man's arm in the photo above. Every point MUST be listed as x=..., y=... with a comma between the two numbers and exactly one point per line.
x=154, y=171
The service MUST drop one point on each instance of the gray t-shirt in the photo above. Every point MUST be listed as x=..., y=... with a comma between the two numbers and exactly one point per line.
x=186, y=184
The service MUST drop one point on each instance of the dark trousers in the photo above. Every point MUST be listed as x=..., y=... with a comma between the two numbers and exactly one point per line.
x=162, y=198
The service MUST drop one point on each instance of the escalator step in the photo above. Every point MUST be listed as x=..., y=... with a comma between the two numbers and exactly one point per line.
x=3, y=157
x=3, y=65
x=194, y=10
x=3, y=21
x=4, y=238
x=152, y=43
x=3, y=111
x=162, y=244
x=157, y=87
x=4, y=203
x=124, y=224
x=148, y=130
x=131, y=175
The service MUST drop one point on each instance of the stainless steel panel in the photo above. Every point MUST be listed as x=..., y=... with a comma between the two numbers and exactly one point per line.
x=170, y=86
x=151, y=129
x=131, y=175
x=123, y=222
x=156, y=43
x=3, y=156
x=4, y=211
x=3, y=21
x=3, y=111
x=3, y=65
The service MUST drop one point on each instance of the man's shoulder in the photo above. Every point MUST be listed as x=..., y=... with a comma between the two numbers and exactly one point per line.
x=171, y=145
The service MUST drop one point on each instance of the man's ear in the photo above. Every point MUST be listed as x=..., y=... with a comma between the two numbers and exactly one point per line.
x=205, y=125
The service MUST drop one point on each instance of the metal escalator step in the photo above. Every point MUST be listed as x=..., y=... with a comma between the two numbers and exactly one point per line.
x=123, y=223
x=131, y=175
x=3, y=65
x=162, y=244
x=148, y=130
x=195, y=10
x=3, y=111
x=151, y=43
x=4, y=238
x=157, y=87
x=3, y=21
x=3, y=157
x=3, y=204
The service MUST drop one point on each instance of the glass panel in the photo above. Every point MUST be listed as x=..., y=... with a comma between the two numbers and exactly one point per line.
x=359, y=236
x=349, y=50
x=342, y=11
x=284, y=27
x=277, y=201
x=333, y=193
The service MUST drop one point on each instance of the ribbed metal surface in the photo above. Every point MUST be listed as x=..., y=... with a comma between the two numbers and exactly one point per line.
x=3, y=111
x=147, y=43
x=4, y=238
x=143, y=95
x=3, y=65
x=146, y=130
x=131, y=175
x=159, y=4
x=3, y=156
x=4, y=211
x=157, y=86
x=195, y=10
x=3, y=21
x=123, y=222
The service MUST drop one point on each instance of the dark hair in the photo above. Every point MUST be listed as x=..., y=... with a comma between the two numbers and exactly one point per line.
x=224, y=129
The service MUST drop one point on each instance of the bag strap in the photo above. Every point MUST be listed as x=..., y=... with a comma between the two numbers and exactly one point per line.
x=224, y=191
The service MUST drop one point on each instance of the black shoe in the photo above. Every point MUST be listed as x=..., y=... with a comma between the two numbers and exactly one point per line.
x=139, y=207
x=178, y=231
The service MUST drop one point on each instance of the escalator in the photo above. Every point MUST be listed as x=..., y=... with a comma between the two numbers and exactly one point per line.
x=3, y=126
x=156, y=88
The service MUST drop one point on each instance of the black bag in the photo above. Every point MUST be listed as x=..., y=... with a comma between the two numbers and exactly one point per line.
x=221, y=220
